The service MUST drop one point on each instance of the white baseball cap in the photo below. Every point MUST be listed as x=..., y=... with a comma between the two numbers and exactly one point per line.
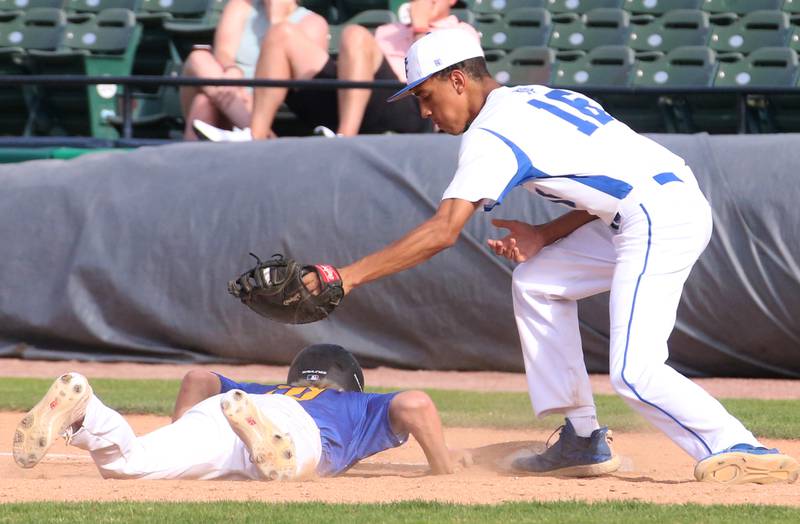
x=436, y=51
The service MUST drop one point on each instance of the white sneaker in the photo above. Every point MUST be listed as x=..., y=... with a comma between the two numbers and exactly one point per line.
x=324, y=131
x=63, y=405
x=272, y=451
x=215, y=134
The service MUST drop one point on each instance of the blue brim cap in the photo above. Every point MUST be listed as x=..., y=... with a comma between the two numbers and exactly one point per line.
x=407, y=89
x=435, y=52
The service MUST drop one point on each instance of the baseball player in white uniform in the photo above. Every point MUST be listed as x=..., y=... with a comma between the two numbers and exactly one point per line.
x=638, y=223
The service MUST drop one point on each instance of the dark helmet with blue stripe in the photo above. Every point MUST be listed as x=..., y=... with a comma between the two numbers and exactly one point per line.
x=326, y=365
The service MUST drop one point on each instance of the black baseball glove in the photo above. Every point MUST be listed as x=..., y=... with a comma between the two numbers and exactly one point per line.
x=274, y=289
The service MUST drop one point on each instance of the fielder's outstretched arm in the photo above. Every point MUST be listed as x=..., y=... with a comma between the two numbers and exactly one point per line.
x=432, y=236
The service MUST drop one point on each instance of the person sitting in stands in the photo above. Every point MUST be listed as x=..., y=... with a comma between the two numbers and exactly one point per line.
x=237, y=41
x=288, y=53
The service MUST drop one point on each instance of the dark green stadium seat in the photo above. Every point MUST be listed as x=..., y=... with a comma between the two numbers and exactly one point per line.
x=37, y=28
x=772, y=67
x=372, y=18
x=488, y=26
x=184, y=34
x=347, y=9
x=756, y=29
x=768, y=66
x=464, y=15
x=712, y=112
x=95, y=6
x=524, y=66
x=334, y=37
x=794, y=38
x=660, y=7
x=598, y=27
x=523, y=26
x=14, y=100
x=602, y=66
x=581, y=6
x=740, y=7
x=369, y=19
x=792, y=7
x=25, y=5
x=174, y=9
x=324, y=8
x=158, y=114
x=102, y=45
x=492, y=56
x=677, y=28
x=489, y=7
x=156, y=48
x=684, y=67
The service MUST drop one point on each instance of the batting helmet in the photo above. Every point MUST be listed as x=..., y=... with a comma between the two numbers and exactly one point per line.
x=327, y=364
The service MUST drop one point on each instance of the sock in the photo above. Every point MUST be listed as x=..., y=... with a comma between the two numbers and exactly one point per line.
x=584, y=424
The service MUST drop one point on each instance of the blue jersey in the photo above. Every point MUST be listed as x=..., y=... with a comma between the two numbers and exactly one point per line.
x=352, y=425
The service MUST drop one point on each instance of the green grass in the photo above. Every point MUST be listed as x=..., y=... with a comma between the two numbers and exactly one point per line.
x=767, y=418
x=229, y=512
x=127, y=396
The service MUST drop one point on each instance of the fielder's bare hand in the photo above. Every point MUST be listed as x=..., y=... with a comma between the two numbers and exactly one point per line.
x=522, y=242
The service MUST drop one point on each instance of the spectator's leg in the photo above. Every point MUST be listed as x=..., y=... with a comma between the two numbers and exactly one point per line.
x=196, y=386
x=359, y=59
x=286, y=53
x=201, y=108
x=212, y=104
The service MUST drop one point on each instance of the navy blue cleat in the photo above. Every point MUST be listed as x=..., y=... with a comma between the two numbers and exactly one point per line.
x=572, y=456
x=744, y=463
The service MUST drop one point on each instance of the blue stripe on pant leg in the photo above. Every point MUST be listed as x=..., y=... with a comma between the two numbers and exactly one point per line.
x=628, y=336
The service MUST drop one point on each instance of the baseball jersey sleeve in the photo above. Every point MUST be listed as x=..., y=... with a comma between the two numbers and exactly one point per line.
x=486, y=166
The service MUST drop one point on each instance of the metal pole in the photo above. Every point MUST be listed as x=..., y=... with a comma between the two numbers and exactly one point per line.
x=741, y=106
x=127, y=124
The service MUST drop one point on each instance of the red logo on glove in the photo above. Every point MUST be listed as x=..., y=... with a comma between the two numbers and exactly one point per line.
x=328, y=273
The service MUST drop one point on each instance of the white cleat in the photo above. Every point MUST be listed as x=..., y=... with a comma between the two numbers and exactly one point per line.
x=63, y=405
x=272, y=451
x=744, y=463
x=215, y=134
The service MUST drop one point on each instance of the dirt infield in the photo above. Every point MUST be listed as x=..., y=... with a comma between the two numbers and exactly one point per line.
x=653, y=469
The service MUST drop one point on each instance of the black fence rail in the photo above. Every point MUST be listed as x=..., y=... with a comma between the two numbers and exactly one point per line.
x=742, y=93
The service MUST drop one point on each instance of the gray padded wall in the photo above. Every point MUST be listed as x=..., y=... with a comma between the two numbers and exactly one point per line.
x=125, y=256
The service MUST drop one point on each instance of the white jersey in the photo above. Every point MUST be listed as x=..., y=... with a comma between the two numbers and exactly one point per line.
x=560, y=145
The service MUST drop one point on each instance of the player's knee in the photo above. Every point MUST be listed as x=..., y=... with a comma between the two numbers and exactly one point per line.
x=617, y=382
x=625, y=382
x=200, y=380
x=529, y=279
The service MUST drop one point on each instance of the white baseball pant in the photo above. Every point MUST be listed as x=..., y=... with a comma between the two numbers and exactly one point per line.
x=644, y=264
x=199, y=445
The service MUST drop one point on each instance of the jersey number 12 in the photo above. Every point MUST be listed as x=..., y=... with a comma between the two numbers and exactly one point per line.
x=597, y=117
